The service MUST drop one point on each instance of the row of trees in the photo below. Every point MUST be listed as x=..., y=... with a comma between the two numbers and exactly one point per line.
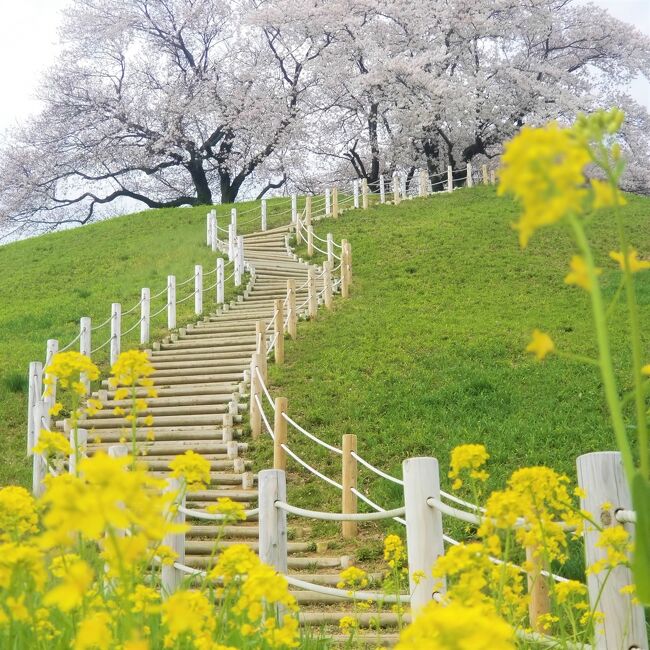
x=173, y=102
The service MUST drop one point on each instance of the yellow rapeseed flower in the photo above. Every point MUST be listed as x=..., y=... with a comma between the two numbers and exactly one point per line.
x=187, y=612
x=394, y=553
x=348, y=624
x=353, y=579
x=52, y=443
x=541, y=344
x=471, y=458
x=94, y=633
x=17, y=513
x=456, y=626
x=579, y=274
x=633, y=263
x=71, y=592
x=131, y=369
x=192, y=468
x=544, y=169
x=231, y=510
x=604, y=195
x=68, y=367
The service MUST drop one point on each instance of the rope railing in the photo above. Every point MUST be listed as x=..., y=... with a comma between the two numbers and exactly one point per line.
x=309, y=468
x=311, y=436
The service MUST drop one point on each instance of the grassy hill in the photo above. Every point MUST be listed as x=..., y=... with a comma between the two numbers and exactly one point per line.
x=49, y=282
x=428, y=353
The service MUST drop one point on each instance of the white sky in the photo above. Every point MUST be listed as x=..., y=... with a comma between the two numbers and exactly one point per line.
x=28, y=36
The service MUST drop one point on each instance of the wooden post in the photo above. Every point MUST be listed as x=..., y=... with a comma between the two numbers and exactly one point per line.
x=263, y=215
x=470, y=180
x=272, y=520
x=327, y=281
x=171, y=577
x=484, y=171
x=280, y=434
x=35, y=390
x=116, y=331
x=335, y=202
x=540, y=602
x=260, y=331
x=423, y=183
x=330, y=249
x=78, y=441
x=254, y=414
x=601, y=476
x=294, y=208
x=171, y=302
x=49, y=401
x=349, y=482
x=355, y=192
x=85, y=331
x=291, y=304
x=145, y=315
x=493, y=177
x=404, y=187
x=450, y=179
x=239, y=260
x=345, y=289
x=423, y=527
x=231, y=243
x=328, y=202
x=312, y=297
x=278, y=330
x=364, y=193
x=220, y=282
x=298, y=231
x=396, y=194
x=308, y=210
x=198, y=289
x=310, y=241
x=382, y=189
x=214, y=232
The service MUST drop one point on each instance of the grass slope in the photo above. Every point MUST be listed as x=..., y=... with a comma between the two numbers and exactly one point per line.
x=429, y=351
x=49, y=282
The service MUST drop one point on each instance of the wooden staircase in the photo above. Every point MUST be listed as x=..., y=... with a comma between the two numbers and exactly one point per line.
x=199, y=379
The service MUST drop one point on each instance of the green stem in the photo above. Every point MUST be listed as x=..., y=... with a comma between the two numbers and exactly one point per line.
x=604, y=351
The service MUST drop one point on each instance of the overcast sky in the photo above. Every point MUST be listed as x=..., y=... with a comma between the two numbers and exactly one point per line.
x=28, y=36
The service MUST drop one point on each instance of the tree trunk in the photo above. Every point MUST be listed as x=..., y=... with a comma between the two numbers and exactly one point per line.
x=373, y=174
x=201, y=185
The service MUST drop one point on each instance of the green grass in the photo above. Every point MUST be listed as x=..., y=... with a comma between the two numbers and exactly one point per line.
x=49, y=282
x=429, y=351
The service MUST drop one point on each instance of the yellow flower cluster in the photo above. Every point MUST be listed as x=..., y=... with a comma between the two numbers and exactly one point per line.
x=353, y=579
x=470, y=459
x=541, y=345
x=394, y=553
x=68, y=367
x=579, y=274
x=616, y=546
x=455, y=627
x=231, y=510
x=191, y=468
x=632, y=261
x=132, y=368
x=52, y=443
x=18, y=515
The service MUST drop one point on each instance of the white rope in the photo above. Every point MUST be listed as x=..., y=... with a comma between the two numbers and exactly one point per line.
x=160, y=311
x=311, y=436
x=372, y=504
x=466, y=504
x=180, y=284
x=347, y=594
x=322, y=252
x=160, y=293
x=103, y=345
x=212, y=286
x=626, y=516
x=190, y=570
x=339, y=516
x=307, y=466
x=96, y=327
x=178, y=302
x=264, y=388
x=263, y=416
x=376, y=470
x=129, y=311
x=213, y=516
x=133, y=327
x=74, y=340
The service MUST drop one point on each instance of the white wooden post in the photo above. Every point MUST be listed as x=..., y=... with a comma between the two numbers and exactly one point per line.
x=85, y=331
x=220, y=282
x=232, y=234
x=330, y=249
x=171, y=302
x=170, y=576
x=601, y=476
x=273, y=520
x=278, y=331
x=424, y=542
x=214, y=239
x=239, y=260
x=310, y=241
x=382, y=189
x=254, y=414
x=78, y=443
x=364, y=193
x=39, y=470
x=198, y=289
x=49, y=401
x=312, y=298
x=116, y=331
x=145, y=315
x=396, y=194
x=403, y=186
x=423, y=183
x=484, y=171
x=291, y=306
x=35, y=378
x=328, y=202
x=327, y=280
x=298, y=223
x=450, y=179
x=470, y=181
x=493, y=177
x=263, y=215
x=294, y=208
x=335, y=203
x=355, y=190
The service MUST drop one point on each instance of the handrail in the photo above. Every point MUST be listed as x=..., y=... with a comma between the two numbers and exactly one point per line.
x=339, y=516
x=214, y=516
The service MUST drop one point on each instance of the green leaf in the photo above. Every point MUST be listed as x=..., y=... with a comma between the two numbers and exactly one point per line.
x=641, y=559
